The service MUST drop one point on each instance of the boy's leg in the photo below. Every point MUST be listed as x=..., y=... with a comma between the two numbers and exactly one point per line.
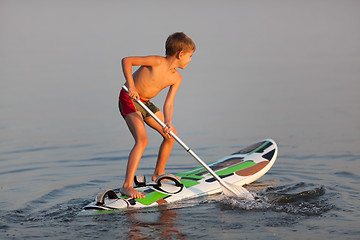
x=137, y=128
x=165, y=147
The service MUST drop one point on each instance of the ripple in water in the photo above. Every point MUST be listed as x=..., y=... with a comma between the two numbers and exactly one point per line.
x=291, y=199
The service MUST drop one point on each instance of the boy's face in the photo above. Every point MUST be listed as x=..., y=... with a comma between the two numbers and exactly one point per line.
x=185, y=58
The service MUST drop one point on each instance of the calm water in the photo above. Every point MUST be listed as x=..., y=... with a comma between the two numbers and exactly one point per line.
x=287, y=70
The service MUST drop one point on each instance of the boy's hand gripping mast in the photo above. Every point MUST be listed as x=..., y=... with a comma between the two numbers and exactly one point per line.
x=229, y=189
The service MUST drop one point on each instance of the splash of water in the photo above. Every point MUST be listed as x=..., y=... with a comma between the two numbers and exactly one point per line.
x=283, y=199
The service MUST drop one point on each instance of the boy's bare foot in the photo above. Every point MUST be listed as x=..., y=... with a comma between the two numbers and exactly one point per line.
x=155, y=176
x=131, y=192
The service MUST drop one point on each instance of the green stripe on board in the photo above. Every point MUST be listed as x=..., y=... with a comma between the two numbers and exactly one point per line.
x=189, y=183
x=194, y=171
x=192, y=175
x=266, y=142
x=151, y=198
x=97, y=212
x=236, y=168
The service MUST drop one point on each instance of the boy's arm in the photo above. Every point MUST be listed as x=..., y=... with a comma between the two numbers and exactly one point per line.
x=128, y=62
x=169, y=105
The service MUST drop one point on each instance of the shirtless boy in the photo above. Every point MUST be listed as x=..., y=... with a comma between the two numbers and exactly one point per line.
x=154, y=74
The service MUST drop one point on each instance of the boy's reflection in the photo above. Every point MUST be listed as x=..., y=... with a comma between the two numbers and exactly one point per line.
x=158, y=225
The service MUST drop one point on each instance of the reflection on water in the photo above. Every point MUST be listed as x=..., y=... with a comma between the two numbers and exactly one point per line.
x=160, y=225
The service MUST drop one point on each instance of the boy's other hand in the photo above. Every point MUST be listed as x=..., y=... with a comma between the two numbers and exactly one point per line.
x=168, y=128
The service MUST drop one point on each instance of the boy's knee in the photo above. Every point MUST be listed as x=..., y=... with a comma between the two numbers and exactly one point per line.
x=142, y=142
x=146, y=141
x=169, y=139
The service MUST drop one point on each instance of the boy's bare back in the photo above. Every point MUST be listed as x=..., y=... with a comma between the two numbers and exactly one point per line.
x=150, y=80
x=155, y=74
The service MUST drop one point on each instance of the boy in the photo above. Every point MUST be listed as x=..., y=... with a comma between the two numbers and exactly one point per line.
x=155, y=74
